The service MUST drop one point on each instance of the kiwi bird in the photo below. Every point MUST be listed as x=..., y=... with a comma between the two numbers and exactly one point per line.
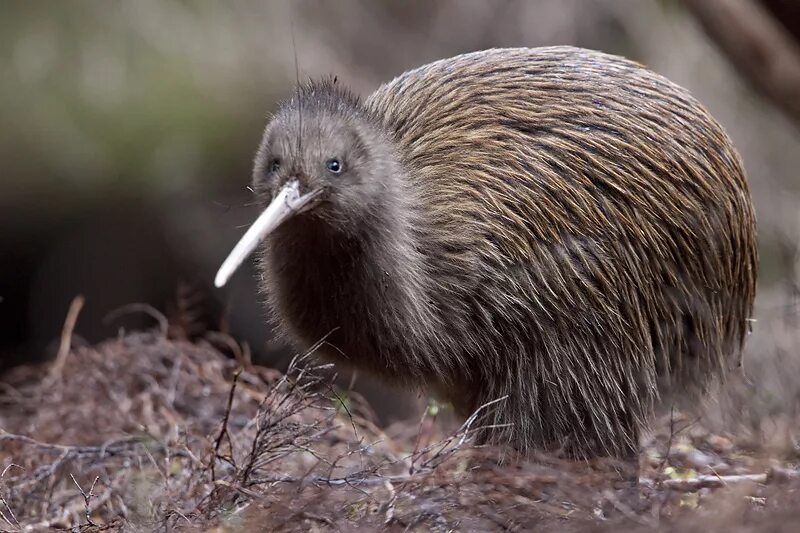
x=558, y=227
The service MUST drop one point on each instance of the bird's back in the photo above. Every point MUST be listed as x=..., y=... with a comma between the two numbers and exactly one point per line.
x=577, y=191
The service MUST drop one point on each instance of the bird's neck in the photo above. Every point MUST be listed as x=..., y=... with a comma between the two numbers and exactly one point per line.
x=364, y=285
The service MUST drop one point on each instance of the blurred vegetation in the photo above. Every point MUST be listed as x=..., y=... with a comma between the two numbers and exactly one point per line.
x=120, y=99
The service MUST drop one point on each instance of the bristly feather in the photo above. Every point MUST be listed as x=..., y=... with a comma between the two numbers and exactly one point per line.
x=558, y=226
x=325, y=95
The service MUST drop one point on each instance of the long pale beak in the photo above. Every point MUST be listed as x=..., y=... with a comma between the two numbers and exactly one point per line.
x=286, y=203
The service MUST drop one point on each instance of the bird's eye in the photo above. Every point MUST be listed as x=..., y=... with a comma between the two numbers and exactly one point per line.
x=275, y=165
x=334, y=165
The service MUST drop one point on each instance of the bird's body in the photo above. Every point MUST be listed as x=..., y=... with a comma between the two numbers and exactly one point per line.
x=557, y=226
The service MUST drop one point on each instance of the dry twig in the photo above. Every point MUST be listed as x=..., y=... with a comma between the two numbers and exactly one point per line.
x=66, y=337
x=692, y=484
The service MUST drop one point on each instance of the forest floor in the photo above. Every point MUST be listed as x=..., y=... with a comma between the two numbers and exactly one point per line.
x=147, y=432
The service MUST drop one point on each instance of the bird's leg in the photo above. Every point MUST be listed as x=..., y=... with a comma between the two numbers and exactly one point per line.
x=626, y=485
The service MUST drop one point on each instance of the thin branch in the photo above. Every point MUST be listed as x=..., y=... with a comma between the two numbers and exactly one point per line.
x=66, y=337
x=87, y=498
x=147, y=309
x=224, y=429
x=696, y=483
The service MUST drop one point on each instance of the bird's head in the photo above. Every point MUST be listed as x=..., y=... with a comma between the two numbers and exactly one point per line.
x=323, y=155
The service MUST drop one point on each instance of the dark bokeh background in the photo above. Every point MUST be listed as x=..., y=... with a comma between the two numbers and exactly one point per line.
x=127, y=131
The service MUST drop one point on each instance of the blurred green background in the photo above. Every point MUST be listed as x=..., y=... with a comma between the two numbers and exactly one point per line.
x=127, y=131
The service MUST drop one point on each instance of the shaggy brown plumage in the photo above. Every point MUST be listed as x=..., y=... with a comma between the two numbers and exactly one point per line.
x=555, y=225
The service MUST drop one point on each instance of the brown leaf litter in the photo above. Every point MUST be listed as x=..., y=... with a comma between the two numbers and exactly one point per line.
x=145, y=433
